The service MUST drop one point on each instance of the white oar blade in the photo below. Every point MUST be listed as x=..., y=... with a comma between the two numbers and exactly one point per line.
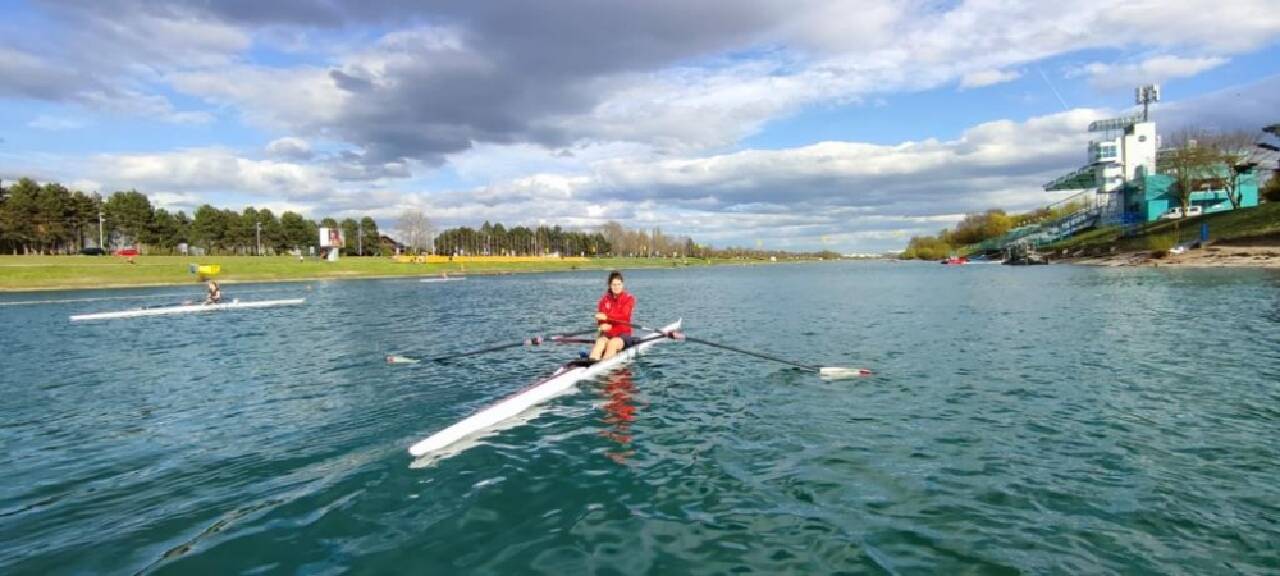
x=841, y=373
x=393, y=359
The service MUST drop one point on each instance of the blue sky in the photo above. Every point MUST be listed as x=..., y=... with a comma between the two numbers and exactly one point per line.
x=946, y=112
x=797, y=125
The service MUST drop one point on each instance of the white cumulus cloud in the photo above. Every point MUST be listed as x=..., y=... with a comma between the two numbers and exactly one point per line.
x=982, y=78
x=1155, y=69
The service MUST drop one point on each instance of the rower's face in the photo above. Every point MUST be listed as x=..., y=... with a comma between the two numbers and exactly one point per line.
x=616, y=286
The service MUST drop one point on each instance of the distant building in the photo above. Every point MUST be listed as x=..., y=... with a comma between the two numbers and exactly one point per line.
x=1124, y=172
x=1150, y=196
x=1126, y=149
x=390, y=245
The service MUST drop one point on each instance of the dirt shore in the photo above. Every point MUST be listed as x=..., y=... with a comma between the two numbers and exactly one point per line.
x=1214, y=256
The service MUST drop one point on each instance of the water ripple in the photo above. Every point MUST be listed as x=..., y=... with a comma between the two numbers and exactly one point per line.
x=1053, y=420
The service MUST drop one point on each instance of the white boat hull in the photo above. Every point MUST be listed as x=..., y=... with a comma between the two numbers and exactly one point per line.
x=167, y=310
x=509, y=408
x=434, y=280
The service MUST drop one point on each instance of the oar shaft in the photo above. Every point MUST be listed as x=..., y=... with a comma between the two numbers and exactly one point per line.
x=751, y=353
x=729, y=348
x=477, y=352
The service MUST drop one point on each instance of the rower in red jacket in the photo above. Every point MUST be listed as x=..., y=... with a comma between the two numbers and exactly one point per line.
x=614, y=317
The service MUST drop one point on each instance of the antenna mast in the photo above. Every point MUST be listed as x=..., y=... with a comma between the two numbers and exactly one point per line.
x=1146, y=95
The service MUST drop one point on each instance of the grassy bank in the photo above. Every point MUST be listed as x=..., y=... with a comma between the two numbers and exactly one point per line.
x=19, y=273
x=1259, y=225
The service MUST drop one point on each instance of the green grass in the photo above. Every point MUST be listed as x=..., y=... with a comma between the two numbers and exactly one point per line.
x=53, y=272
x=1257, y=223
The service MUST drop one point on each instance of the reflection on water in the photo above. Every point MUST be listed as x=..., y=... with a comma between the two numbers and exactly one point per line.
x=620, y=410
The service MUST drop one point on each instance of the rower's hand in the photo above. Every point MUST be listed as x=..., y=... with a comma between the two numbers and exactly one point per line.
x=605, y=327
x=600, y=317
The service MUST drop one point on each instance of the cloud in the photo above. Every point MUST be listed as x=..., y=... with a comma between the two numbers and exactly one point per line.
x=861, y=196
x=965, y=174
x=988, y=78
x=301, y=100
x=585, y=110
x=212, y=170
x=175, y=201
x=27, y=76
x=1246, y=107
x=289, y=148
x=674, y=77
x=141, y=38
x=110, y=56
x=1151, y=70
x=472, y=76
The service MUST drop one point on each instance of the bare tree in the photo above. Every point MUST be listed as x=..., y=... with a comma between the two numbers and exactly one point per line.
x=1236, y=150
x=616, y=236
x=416, y=229
x=1190, y=162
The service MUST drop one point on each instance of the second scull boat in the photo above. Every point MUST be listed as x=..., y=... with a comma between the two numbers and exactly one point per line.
x=184, y=309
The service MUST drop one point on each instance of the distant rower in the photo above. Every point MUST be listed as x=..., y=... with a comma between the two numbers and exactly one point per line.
x=614, y=318
x=214, y=294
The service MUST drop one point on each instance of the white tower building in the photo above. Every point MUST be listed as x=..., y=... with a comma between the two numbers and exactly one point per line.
x=1125, y=150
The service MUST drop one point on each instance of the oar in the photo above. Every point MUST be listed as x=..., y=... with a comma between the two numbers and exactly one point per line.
x=534, y=341
x=824, y=372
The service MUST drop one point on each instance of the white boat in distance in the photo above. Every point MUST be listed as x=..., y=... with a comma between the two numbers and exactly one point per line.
x=442, y=279
x=450, y=440
x=186, y=308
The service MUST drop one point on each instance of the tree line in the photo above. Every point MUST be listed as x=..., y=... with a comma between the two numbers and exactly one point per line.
x=975, y=228
x=498, y=240
x=51, y=219
x=610, y=239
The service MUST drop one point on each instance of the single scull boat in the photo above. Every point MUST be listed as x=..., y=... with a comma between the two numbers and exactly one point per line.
x=183, y=309
x=559, y=382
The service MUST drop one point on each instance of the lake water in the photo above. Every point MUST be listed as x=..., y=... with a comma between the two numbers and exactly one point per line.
x=1050, y=420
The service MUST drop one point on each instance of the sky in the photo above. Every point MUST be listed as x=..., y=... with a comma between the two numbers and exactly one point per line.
x=794, y=125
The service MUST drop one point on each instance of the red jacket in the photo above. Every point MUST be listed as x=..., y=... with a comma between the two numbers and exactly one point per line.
x=618, y=310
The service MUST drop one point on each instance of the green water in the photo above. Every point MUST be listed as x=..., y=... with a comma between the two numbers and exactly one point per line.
x=1052, y=420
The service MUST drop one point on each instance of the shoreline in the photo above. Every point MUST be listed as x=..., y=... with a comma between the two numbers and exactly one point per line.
x=1213, y=256
x=348, y=274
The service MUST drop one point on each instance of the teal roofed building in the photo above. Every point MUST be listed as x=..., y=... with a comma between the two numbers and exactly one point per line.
x=1149, y=197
